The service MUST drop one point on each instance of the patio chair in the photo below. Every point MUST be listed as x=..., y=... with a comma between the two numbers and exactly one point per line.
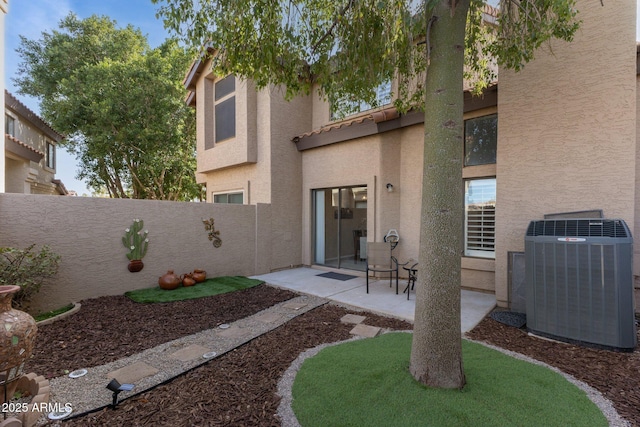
x=411, y=267
x=379, y=260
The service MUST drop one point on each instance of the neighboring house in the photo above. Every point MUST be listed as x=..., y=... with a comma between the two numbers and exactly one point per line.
x=30, y=151
x=560, y=136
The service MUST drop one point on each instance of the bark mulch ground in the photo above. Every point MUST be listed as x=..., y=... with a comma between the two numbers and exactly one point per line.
x=239, y=388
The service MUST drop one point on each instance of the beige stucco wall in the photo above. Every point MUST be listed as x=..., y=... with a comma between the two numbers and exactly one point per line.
x=87, y=233
x=4, y=8
x=271, y=174
x=636, y=260
x=233, y=151
x=567, y=130
x=373, y=161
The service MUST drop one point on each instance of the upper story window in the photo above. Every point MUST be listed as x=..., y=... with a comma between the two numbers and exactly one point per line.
x=50, y=156
x=347, y=107
x=232, y=198
x=10, y=125
x=480, y=140
x=225, y=108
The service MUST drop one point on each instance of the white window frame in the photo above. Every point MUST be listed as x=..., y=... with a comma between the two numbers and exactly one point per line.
x=480, y=243
x=228, y=193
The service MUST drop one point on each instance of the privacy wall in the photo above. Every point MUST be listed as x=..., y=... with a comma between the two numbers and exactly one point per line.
x=87, y=234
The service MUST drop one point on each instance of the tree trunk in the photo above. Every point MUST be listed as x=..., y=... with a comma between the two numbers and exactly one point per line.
x=436, y=354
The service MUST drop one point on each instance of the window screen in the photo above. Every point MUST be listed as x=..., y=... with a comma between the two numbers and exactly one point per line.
x=225, y=118
x=225, y=87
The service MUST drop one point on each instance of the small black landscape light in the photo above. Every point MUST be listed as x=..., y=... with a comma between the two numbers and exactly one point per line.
x=116, y=388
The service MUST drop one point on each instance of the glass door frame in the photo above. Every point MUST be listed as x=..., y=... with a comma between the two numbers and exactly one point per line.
x=342, y=211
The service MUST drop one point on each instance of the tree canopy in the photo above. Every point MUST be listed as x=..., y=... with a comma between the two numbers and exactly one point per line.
x=120, y=103
x=345, y=49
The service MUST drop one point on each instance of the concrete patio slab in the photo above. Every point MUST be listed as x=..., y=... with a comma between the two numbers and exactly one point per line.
x=380, y=299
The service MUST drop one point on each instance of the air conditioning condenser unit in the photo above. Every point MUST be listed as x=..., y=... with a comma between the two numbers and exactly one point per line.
x=579, y=281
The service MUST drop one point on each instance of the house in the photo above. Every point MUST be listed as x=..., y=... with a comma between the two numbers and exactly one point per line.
x=30, y=151
x=559, y=136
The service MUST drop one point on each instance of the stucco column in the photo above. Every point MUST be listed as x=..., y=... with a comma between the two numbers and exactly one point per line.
x=4, y=9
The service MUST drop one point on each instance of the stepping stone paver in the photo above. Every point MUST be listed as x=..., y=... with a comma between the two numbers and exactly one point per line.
x=191, y=352
x=352, y=318
x=366, y=331
x=295, y=305
x=89, y=393
x=233, y=332
x=269, y=317
x=132, y=373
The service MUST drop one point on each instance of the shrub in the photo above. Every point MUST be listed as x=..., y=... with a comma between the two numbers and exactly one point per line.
x=28, y=269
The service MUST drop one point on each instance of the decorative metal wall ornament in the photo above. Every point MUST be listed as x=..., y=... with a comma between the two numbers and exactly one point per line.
x=214, y=235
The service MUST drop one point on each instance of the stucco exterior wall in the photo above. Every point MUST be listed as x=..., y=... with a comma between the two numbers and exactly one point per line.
x=87, y=233
x=567, y=130
x=235, y=151
x=636, y=258
x=288, y=118
x=4, y=8
x=265, y=123
x=373, y=161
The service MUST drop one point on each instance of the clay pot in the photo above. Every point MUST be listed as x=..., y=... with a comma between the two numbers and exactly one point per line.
x=17, y=336
x=135, y=265
x=169, y=281
x=199, y=275
x=188, y=280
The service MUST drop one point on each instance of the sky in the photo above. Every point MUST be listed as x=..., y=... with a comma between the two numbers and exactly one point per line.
x=30, y=18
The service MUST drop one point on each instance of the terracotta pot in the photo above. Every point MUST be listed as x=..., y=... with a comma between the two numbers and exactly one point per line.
x=135, y=265
x=17, y=335
x=199, y=275
x=188, y=280
x=169, y=281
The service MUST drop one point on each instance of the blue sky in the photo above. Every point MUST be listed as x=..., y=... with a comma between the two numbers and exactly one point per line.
x=31, y=17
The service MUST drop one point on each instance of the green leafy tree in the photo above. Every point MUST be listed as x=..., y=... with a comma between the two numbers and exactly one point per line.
x=304, y=44
x=120, y=103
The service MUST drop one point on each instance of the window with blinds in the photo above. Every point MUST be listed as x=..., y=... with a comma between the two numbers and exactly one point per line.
x=480, y=217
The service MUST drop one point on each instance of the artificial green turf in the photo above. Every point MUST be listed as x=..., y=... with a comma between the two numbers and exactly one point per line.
x=212, y=286
x=49, y=314
x=367, y=383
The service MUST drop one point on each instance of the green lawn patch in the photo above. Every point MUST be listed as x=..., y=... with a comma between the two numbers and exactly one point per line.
x=212, y=286
x=367, y=383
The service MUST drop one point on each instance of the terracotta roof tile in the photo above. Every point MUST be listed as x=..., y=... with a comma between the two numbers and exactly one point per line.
x=17, y=141
x=378, y=116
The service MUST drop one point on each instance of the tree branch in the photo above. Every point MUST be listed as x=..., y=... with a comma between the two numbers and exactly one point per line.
x=333, y=26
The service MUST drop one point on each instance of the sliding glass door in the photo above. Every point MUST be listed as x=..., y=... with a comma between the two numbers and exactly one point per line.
x=340, y=227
